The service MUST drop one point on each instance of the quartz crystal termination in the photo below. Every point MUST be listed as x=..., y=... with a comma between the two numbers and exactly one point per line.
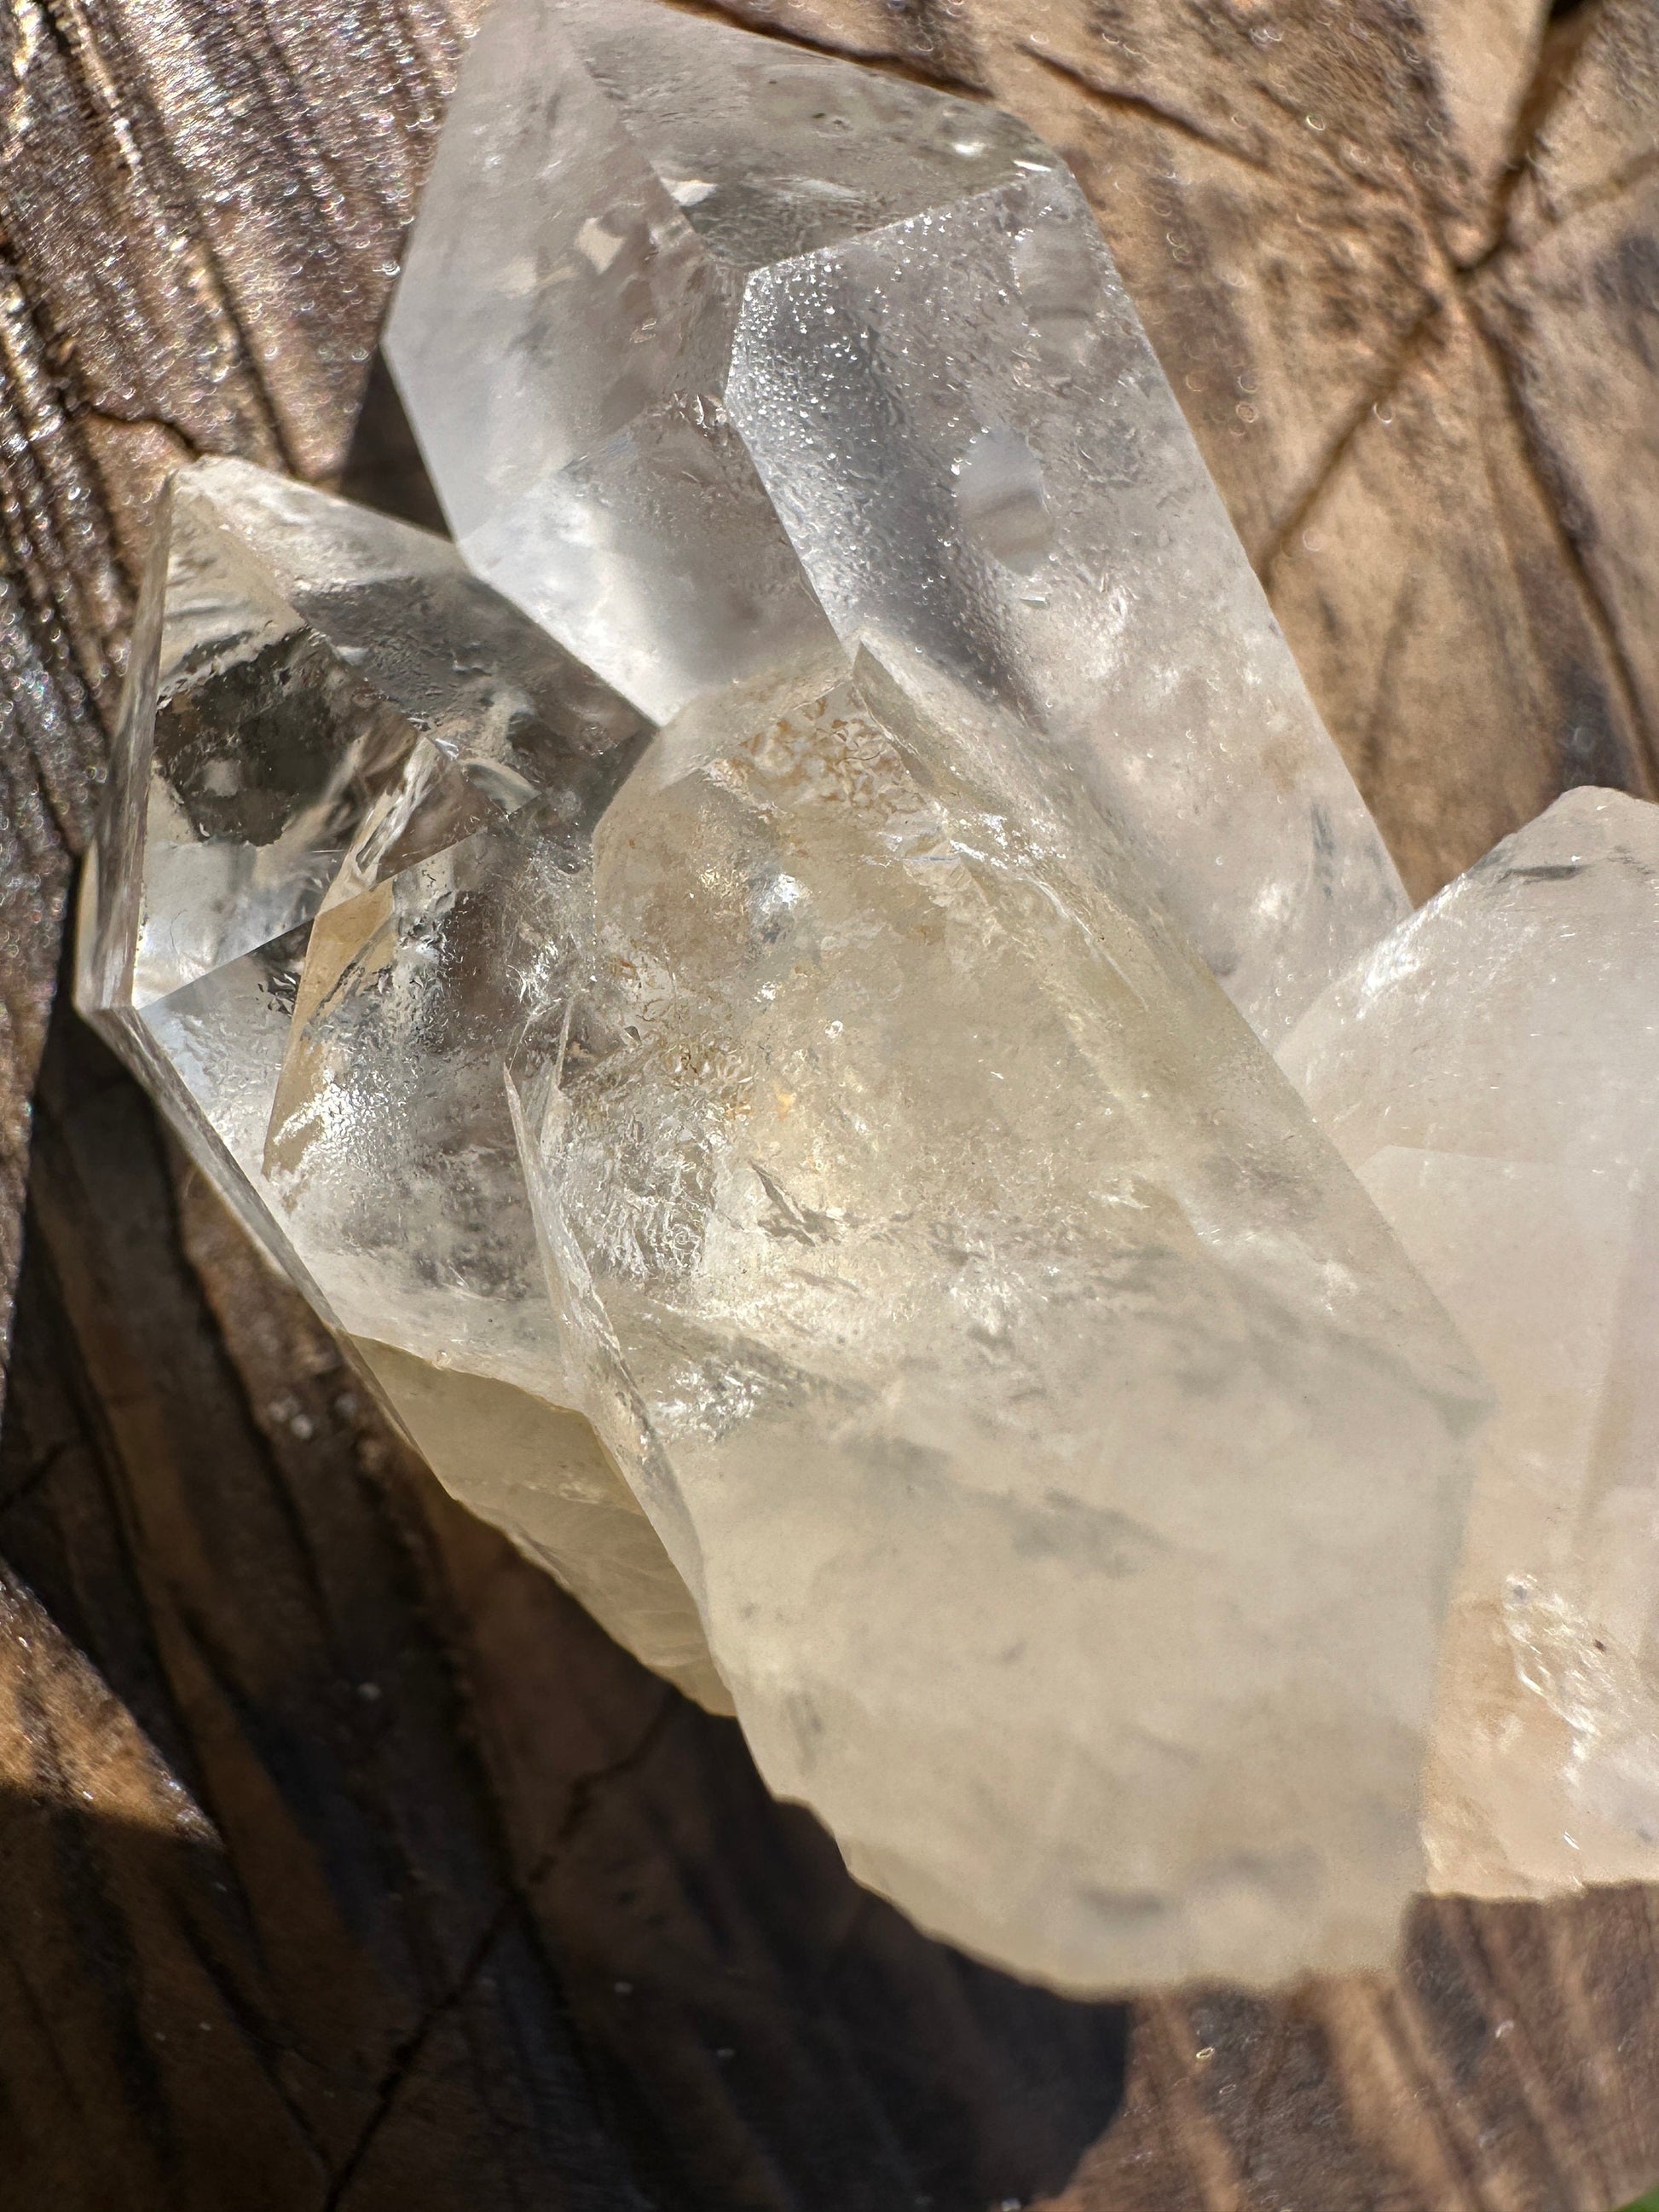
x=319, y=697
x=1490, y=1071
x=716, y=346
x=1065, y=1463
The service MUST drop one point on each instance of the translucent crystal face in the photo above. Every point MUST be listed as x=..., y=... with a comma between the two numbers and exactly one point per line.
x=321, y=699
x=1037, y=1409
x=1491, y=1071
x=717, y=348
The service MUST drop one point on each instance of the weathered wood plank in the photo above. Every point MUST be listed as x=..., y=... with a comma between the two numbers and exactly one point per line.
x=484, y=1937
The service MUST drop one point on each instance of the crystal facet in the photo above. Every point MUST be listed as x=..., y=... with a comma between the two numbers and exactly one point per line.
x=716, y=346
x=319, y=697
x=1490, y=1071
x=1063, y=1457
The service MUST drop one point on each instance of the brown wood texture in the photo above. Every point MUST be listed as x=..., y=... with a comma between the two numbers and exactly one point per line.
x=343, y=1862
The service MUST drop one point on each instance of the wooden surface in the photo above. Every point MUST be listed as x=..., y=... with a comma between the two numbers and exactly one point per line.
x=343, y=1862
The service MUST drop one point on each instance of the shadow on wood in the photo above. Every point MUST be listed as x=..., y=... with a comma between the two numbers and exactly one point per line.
x=383, y=466
x=405, y=1886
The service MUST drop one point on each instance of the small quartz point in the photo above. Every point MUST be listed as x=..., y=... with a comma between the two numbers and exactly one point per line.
x=319, y=698
x=1491, y=1071
x=717, y=347
x=1065, y=1463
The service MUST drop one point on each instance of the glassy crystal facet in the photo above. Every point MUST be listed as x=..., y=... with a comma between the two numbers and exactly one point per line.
x=716, y=346
x=320, y=698
x=1490, y=1071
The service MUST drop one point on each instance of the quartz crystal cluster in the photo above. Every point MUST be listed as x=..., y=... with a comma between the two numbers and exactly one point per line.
x=743, y=990
x=945, y=1297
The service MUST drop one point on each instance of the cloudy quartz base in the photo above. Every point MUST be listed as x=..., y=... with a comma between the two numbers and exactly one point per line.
x=1064, y=1459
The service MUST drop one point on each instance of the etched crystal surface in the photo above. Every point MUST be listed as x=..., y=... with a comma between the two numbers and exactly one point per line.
x=318, y=697
x=716, y=346
x=1063, y=1457
x=1490, y=1071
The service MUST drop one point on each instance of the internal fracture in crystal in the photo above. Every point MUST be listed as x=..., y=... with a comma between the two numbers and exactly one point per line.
x=321, y=698
x=717, y=347
x=1490, y=1073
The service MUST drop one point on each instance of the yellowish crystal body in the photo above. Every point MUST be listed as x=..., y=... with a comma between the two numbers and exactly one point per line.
x=1063, y=1458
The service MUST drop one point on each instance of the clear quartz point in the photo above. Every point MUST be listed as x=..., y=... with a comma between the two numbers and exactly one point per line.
x=717, y=347
x=1065, y=1463
x=1490, y=1071
x=319, y=699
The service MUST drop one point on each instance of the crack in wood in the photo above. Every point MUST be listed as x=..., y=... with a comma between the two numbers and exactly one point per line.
x=1541, y=468
x=74, y=37
x=1396, y=2016
x=1537, y=2095
x=1609, y=190
x=1394, y=640
x=255, y=2034
x=1139, y=103
x=1559, y=49
x=1374, y=397
x=888, y=63
x=83, y=410
x=1264, y=2081
x=44, y=513
x=586, y=1790
x=1203, y=2148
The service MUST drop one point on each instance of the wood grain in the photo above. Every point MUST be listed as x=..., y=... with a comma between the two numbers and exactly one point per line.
x=344, y=1862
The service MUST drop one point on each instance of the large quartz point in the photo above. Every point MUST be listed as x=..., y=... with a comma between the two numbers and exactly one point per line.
x=1491, y=1070
x=318, y=697
x=716, y=346
x=1063, y=1457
